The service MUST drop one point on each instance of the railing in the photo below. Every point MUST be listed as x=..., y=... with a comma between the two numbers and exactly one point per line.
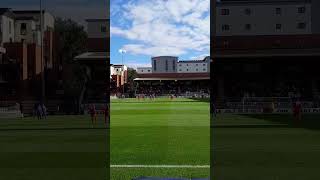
x=265, y=105
x=182, y=95
x=10, y=112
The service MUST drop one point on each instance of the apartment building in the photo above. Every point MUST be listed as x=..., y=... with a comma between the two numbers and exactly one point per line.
x=264, y=17
x=171, y=64
x=20, y=51
x=266, y=24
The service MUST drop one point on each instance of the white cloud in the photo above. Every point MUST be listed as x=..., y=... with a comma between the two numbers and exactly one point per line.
x=159, y=27
x=135, y=65
x=199, y=57
x=153, y=50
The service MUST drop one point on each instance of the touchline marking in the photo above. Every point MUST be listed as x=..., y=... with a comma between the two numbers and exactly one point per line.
x=160, y=166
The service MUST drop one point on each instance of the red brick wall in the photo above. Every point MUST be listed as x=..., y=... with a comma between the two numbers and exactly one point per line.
x=48, y=47
x=19, y=52
x=267, y=42
x=34, y=59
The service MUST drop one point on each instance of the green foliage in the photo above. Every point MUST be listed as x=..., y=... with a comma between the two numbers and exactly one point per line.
x=71, y=42
x=72, y=39
x=132, y=74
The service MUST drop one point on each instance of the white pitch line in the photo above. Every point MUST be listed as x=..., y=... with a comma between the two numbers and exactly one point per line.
x=160, y=166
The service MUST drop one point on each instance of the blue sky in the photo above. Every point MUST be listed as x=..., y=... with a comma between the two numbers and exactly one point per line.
x=146, y=28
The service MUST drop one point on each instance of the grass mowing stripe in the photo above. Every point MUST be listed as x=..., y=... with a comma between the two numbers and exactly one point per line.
x=160, y=166
x=52, y=129
x=60, y=147
x=165, y=139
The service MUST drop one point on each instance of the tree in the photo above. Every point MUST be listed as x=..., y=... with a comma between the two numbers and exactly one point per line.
x=71, y=41
x=132, y=74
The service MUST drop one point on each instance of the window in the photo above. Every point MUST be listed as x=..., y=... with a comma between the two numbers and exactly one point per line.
x=247, y=11
x=166, y=65
x=225, y=27
x=248, y=27
x=278, y=26
x=196, y=64
x=225, y=12
x=141, y=70
x=154, y=65
x=301, y=25
x=196, y=69
x=278, y=11
x=180, y=65
x=204, y=69
x=301, y=10
x=203, y=64
x=149, y=70
x=180, y=69
x=187, y=64
x=187, y=69
x=173, y=65
x=10, y=27
x=23, y=29
x=103, y=29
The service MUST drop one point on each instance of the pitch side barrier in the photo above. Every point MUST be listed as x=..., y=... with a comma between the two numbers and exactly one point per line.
x=10, y=112
x=99, y=108
x=261, y=111
x=194, y=95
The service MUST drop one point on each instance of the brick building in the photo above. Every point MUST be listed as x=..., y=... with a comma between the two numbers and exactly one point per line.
x=20, y=56
x=265, y=62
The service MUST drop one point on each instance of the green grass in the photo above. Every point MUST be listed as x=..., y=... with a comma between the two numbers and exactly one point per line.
x=274, y=148
x=61, y=147
x=160, y=132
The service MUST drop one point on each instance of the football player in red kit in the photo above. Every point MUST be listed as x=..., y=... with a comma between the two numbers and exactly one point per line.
x=297, y=110
x=107, y=115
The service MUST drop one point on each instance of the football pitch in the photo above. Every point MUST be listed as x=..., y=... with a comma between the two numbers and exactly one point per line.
x=160, y=138
x=60, y=147
x=266, y=146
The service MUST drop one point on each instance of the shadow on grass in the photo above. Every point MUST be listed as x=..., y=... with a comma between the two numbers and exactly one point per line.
x=308, y=121
x=50, y=129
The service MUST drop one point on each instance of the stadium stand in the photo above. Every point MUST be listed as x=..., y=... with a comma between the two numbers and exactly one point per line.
x=187, y=89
